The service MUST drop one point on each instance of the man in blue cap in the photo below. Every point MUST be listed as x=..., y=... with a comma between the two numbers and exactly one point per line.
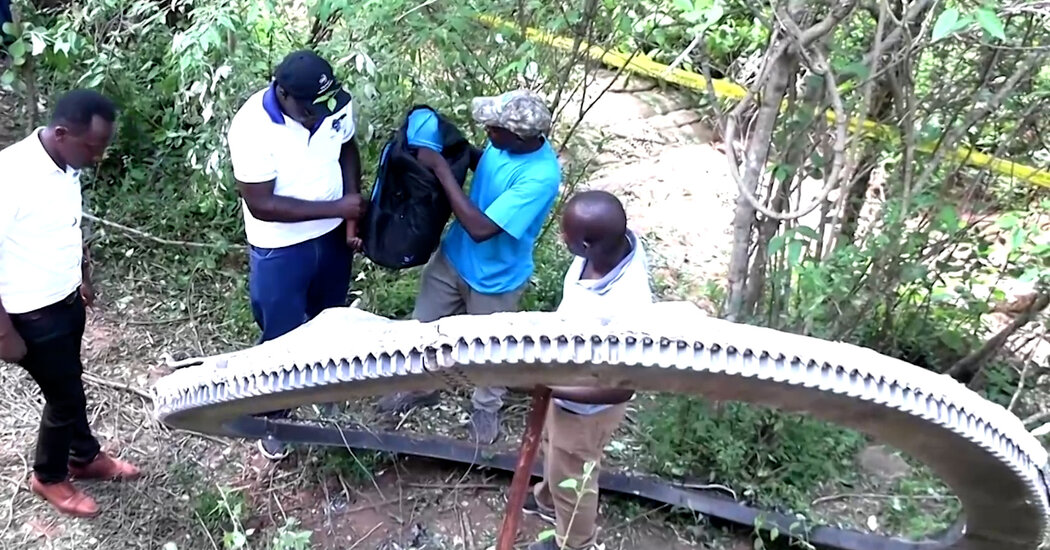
x=298, y=171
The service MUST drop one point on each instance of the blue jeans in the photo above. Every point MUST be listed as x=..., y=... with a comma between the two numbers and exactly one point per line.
x=289, y=286
x=5, y=17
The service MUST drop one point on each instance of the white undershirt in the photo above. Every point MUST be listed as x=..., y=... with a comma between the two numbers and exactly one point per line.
x=621, y=292
x=41, y=244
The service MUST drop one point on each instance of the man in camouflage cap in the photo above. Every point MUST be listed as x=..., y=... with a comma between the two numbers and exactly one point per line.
x=485, y=260
x=521, y=111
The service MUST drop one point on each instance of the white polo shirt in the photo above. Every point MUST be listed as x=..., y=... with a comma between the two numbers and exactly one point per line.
x=41, y=244
x=266, y=145
x=621, y=292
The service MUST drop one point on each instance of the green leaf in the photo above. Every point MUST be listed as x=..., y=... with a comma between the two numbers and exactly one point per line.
x=776, y=244
x=544, y=535
x=570, y=484
x=946, y=24
x=991, y=23
x=684, y=5
x=1041, y=250
x=807, y=232
x=17, y=49
x=1008, y=221
x=794, y=253
x=10, y=28
x=1030, y=275
x=1018, y=238
x=913, y=271
x=949, y=218
x=781, y=172
x=774, y=533
x=8, y=78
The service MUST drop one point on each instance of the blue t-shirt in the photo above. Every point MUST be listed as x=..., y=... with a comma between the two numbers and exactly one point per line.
x=516, y=192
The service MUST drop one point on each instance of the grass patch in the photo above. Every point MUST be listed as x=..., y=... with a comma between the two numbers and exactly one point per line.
x=773, y=459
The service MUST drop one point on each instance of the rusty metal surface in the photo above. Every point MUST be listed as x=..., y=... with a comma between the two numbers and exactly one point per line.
x=976, y=447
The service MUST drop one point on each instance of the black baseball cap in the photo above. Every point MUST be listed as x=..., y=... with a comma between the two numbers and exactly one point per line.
x=309, y=79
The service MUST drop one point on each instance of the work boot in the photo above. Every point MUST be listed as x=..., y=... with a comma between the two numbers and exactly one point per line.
x=106, y=468
x=65, y=498
x=404, y=401
x=485, y=426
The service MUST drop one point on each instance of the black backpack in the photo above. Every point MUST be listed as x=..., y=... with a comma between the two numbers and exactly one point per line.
x=408, y=209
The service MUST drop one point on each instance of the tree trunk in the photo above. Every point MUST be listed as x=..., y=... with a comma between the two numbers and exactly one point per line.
x=794, y=158
x=758, y=146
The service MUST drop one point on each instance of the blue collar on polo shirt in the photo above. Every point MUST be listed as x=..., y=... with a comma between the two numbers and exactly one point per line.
x=273, y=108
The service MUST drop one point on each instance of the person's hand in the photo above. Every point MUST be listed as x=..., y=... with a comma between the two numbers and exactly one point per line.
x=12, y=347
x=351, y=207
x=352, y=240
x=87, y=292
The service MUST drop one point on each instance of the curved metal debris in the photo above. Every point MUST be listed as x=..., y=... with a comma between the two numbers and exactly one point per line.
x=995, y=467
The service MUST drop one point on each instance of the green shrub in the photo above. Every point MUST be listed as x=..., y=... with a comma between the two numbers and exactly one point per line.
x=770, y=458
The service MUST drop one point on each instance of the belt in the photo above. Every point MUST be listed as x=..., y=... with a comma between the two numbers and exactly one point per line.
x=64, y=302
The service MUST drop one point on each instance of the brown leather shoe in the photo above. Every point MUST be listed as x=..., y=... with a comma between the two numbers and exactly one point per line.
x=65, y=497
x=106, y=468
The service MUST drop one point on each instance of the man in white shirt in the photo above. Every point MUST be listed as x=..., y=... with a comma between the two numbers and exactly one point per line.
x=298, y=171
x=45, y=286
x=609, y=276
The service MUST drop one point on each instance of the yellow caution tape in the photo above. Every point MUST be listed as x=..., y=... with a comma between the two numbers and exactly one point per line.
x=644, y=65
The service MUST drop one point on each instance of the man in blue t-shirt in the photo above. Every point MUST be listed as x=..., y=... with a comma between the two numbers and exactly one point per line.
x=485, y=260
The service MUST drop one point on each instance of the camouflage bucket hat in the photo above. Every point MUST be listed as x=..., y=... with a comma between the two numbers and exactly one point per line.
x=521, y=111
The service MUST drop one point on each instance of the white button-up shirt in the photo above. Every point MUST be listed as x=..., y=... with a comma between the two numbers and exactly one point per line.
x=41, y=244
x=267, y=145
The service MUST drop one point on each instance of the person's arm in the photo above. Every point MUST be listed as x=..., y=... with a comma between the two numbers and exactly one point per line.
x=479, y=226
x=350, y=163
x=87, y=288
x=12, y=347
x=255, y=171
x=592, y=396
x=268, y=207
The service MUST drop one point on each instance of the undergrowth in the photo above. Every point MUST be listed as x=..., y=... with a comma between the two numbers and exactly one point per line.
x=770, y=458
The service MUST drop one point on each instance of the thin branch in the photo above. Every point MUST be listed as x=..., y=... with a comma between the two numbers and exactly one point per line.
x=160, y=240
x=832, y=498
x=117, y=386
x=965, y=368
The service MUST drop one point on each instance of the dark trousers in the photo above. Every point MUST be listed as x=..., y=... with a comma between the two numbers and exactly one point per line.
x=53, y=335
x=289, y=286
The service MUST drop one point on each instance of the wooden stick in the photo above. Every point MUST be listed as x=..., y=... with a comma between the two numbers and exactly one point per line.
x=530, y=443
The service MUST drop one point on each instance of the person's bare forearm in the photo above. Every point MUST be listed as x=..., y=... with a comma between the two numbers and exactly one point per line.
x=350, y=163
x=85, y=264
x=6, y=326
x=276, y=208
x=592, y=396
x=474, y=221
